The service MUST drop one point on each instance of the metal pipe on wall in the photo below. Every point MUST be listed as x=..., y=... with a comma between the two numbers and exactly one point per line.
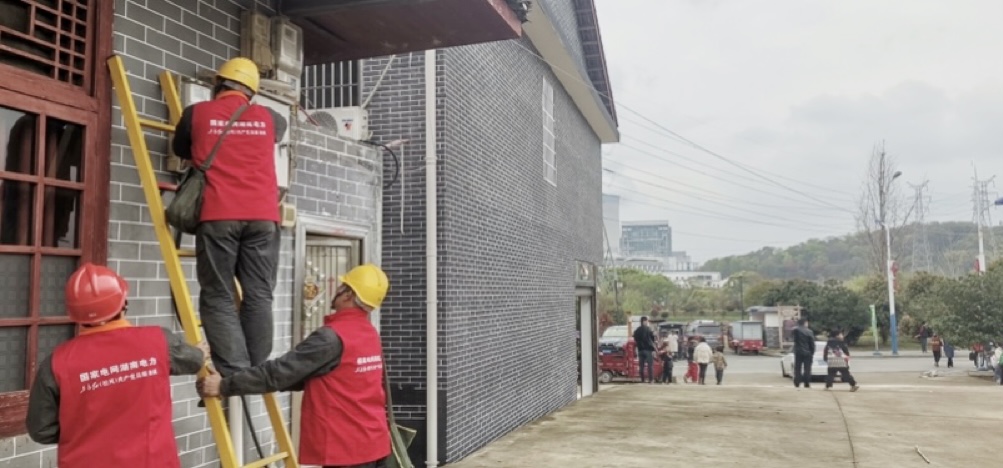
x=431, y=270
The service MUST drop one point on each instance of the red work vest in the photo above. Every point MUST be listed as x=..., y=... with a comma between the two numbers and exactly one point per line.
x=115, y=400
x=241, y=184
x=344, y=412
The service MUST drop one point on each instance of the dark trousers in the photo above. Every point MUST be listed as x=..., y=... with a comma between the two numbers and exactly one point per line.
x=802, y=369
x=922, y=343
x=703, y=372
x=376, y=464
x=950, y=361
x=719, y=373
x=248, y=251
x=936, y=357
x=646, y=358
x=667, y=370
x=845, y=375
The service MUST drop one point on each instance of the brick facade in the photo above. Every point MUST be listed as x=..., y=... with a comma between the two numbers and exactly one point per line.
x=332, y=178
x=508, y=239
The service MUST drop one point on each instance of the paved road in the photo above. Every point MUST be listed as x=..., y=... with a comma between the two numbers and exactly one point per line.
x=756, y=419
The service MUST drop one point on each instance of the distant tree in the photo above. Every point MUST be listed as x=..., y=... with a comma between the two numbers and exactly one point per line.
x=974, y=308
x=881, y=206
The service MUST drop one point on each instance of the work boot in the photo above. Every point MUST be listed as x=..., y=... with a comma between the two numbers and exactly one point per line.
x=854, y=388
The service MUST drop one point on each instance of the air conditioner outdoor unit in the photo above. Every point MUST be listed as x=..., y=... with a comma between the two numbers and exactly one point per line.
x=350, y=122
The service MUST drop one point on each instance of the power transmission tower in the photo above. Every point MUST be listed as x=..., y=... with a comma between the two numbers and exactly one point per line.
x=920, y=241
x=983, y=217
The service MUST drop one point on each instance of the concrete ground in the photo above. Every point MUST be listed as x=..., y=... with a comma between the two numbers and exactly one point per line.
x=758, y=419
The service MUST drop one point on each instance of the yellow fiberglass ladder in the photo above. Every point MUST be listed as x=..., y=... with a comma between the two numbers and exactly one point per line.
x=172, y=261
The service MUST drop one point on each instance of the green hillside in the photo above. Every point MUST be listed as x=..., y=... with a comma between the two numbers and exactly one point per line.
x=953, y=248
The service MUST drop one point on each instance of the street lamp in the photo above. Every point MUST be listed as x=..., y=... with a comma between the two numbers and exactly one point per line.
x=890, y=274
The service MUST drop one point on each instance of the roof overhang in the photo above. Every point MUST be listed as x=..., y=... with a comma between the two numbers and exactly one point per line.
x=336, y=30
x=547, y=39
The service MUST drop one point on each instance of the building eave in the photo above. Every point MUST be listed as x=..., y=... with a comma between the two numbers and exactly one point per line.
x=547, y=40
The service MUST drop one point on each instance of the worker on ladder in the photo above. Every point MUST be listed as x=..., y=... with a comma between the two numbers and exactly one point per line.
x=340, y=368
x=105, y=395
x=239, y=231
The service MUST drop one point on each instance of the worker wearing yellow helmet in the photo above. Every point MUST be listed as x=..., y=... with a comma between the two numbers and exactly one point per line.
x=238, y=234
x=340, y=368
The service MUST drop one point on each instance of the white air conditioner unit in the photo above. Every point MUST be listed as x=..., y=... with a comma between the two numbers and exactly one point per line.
x=350, y=122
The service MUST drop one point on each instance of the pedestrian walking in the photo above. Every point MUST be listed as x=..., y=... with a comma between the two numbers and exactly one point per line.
x=949, y=353
x=935, y=346
x=923, y=335
x=238, y=236
x=702, y=354
x=804, y=353
x=673, y=340
x=692, y=369
x=720, y=363
x=644, y=341
x=105, y=395
x=837, y=357
x=339, y=367
x=666, y=356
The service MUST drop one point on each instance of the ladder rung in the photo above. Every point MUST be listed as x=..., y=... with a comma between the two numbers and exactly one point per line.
x=186, y=253
x=167, y=187
x=162, y=126
x=264, y=461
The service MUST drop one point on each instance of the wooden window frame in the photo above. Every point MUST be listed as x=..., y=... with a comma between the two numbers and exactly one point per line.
x=88, y=105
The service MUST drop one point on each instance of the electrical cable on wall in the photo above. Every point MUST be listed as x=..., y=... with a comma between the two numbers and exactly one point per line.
x=397, y=163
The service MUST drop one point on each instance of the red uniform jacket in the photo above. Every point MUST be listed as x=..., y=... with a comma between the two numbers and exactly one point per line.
x=344, y=411
x=115, y=400
x=241, y=184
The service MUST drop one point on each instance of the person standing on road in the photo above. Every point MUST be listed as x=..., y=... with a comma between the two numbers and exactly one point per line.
x=105, y=395
x=837, y=356
x=666, y=356
x=674, y=345
x=644, y=340
x=720, y=363
x=339, y=367
x=923, y=335
x=949, y=353
x=239, y=232
x=935, y=346
x=702, y=354
x=804, y=352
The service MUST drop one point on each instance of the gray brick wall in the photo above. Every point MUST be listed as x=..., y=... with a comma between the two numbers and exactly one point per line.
x=332, y=177
x=511, y=241
x=508, y=239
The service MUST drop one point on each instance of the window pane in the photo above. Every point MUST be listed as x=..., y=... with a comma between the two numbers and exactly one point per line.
x=17, y=141
x=56, y=272
x=63, y=149
x=61, y=221
x=15, y=283
x=17, y=209
x=51, y=336
x=13, y=346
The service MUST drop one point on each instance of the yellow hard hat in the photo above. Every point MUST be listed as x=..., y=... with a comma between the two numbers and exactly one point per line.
x=369, y=283
x=242, y=70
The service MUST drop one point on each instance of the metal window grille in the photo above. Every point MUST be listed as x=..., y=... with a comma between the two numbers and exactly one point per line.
x=329, y=85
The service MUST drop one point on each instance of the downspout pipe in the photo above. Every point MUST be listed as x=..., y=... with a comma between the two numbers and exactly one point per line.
x=431, y=269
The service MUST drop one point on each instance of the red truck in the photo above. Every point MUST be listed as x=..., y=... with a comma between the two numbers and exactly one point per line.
x=619, y=360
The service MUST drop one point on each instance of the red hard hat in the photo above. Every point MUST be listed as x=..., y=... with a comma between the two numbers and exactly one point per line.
x=95, y=294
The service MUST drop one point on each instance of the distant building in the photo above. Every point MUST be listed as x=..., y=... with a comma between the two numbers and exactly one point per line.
x=646, y=239
x=697, y=279
x=611, y=221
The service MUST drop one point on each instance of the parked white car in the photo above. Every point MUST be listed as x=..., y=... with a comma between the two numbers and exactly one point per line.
x=819, y=368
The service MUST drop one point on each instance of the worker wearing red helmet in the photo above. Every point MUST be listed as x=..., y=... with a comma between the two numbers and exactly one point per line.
x=340, y=368
x=105, y=395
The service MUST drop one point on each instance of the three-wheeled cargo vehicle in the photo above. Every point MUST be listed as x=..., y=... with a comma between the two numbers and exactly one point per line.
x=746, y=336
x=619, y=360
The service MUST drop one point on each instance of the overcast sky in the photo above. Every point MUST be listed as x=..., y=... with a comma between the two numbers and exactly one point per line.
x=799, y=92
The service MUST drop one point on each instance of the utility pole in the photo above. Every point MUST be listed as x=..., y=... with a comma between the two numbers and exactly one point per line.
x=920, y=241
x=980, y=197
x=741, y=294
x=610, y=264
